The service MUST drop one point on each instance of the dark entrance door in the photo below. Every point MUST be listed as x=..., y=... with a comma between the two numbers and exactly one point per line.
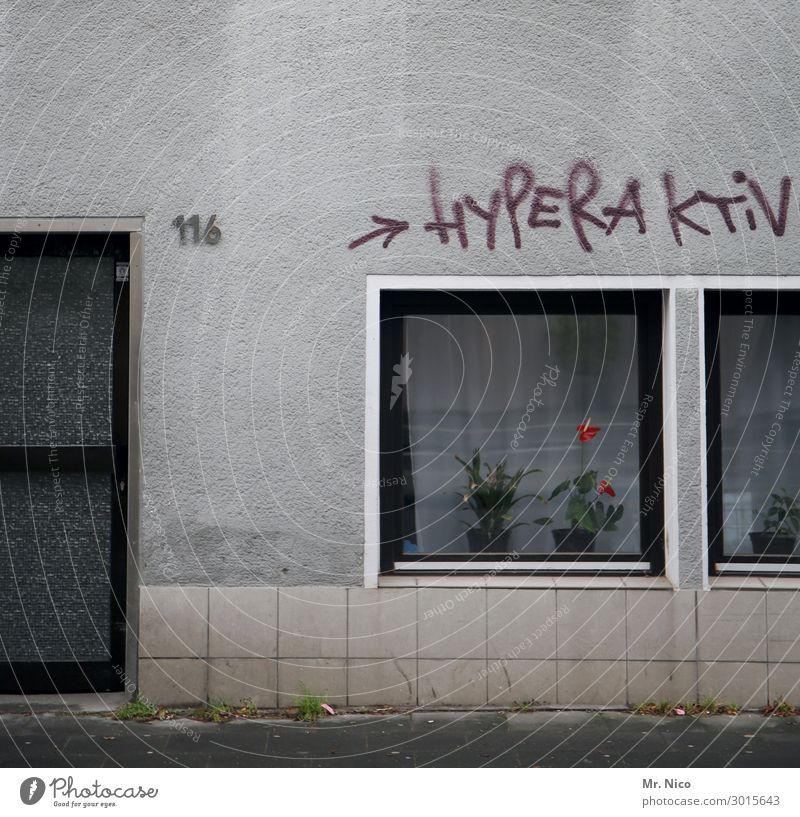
x=64, y=307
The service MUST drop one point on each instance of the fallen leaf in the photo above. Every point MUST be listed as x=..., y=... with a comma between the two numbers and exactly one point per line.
x=328, y=708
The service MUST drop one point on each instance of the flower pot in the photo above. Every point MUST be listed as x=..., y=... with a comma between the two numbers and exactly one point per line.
x=573, y=540
x=772, y=544
x=479, y=541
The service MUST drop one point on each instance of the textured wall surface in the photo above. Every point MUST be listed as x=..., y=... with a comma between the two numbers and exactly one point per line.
x=295, y=123
x=690, y=385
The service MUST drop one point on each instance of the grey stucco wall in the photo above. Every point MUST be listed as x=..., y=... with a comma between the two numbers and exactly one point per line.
x=295, y=123
x=690, y=383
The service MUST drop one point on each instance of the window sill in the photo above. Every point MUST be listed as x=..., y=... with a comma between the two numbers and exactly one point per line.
x=767, y=582
x=532, y=582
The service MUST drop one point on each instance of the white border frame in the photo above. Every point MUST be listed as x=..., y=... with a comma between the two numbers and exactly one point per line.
x=508, y=567
x=376, y=284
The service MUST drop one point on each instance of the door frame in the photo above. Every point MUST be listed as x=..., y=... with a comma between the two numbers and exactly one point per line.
x=133, y=226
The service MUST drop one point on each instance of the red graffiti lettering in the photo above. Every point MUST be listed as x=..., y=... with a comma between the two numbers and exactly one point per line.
x=537, y=206
x=513, y=200
x=630, y=206
x=578, y=202
x=439, y=225
x=582, y=188
x=489, y=215
x=777, y=223
x=675, y=211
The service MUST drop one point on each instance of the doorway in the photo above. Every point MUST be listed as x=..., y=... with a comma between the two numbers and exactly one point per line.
x=64, y=422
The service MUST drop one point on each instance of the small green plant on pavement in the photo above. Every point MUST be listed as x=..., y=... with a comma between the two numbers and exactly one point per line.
x=780, y=707
x=137, y=710
x=217, y=711
x=309, y=706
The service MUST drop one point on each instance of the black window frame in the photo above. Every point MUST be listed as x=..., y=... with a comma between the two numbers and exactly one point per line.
x=719, y=302
x=646, y=304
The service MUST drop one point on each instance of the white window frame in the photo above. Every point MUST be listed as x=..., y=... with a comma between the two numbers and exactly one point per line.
x=377, y=284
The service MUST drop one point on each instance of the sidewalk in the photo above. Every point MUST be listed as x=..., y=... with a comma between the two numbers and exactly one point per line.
x=467, y=739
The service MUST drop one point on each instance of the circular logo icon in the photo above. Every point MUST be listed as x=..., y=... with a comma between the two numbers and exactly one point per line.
x=31, y=791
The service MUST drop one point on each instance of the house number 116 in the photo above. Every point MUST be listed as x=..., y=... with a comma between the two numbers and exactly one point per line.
x=211, y=234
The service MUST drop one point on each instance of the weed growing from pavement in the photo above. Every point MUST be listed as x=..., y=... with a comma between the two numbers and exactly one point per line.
x=217, y=712
x=309, y=706
x=137, y=710
x=780, y=707
x=707, y=706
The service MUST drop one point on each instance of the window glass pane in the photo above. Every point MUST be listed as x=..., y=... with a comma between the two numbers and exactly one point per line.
x=56, y=330
x=55, y=534
x=516, y=388
x=759, y=363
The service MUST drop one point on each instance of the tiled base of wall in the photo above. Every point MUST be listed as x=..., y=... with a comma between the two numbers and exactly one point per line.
x=468, y=646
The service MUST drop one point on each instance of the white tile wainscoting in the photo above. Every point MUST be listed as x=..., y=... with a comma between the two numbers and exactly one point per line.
x=608, y=644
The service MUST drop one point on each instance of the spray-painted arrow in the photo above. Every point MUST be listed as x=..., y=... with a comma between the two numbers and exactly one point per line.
x=390, y=227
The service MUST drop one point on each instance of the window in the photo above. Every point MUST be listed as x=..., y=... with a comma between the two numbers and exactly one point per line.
x=521, y=429
x=753, y=360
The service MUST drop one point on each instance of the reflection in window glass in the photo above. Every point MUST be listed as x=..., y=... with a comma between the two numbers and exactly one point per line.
x=759, y=364
x=556, y=394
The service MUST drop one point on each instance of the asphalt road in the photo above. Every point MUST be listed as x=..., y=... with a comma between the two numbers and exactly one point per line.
x=443, y=739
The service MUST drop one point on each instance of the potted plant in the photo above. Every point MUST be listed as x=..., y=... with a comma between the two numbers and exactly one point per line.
x=778, y=535
x=586, y=514
x=490, y=497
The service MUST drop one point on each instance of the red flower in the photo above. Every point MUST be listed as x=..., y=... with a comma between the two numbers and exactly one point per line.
x=587, y=432
x=605, y=488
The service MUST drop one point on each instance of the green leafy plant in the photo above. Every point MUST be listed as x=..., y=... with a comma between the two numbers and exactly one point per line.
x=709, y=706
x=137, y=710
x=491, y=496
x=782, y=515
x=585, y=509
x=780, y=707
x=309, y=706
x=217, y=711
x=653, y=708
x=524, y=706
